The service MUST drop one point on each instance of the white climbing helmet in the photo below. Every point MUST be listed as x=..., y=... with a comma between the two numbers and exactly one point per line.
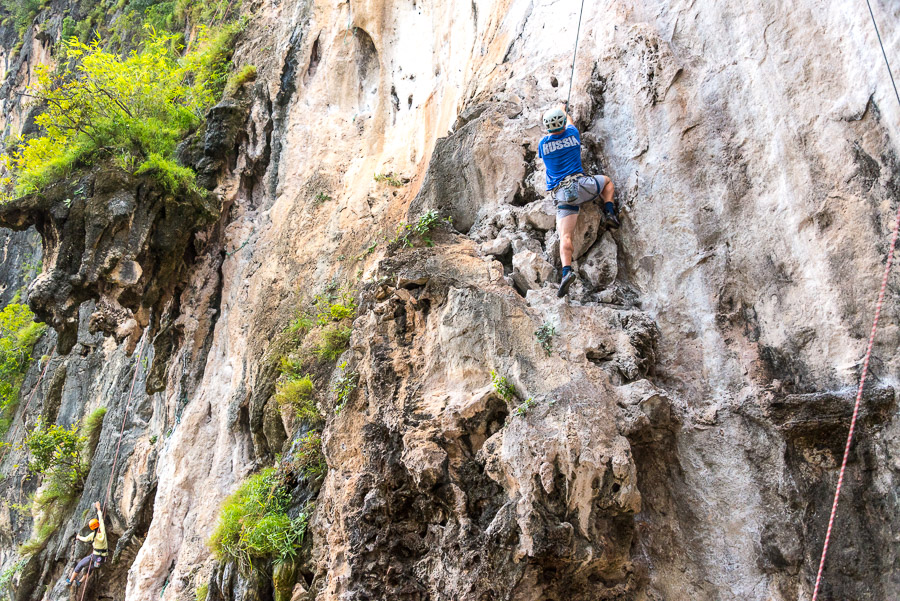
x=555, y=119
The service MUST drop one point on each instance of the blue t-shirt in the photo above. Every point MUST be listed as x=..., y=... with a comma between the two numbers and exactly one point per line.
x=562, y=155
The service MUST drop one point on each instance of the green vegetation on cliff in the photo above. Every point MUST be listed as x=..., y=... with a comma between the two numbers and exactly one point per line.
x=312, y=342
x=132, y=110
x=20, y=12
x=62, y=457
x=298, y=392
x=308, y=459
x=254, y=523
x=56, y=451
x=18, y=335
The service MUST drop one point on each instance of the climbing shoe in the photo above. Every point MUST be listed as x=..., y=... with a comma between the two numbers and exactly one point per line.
x=565, y=283
x=612, y=222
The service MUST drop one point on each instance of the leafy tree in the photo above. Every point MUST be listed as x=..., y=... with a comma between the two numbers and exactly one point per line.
x=21, y=12
x=56, y=450
x=63, y=457
x=134, y=109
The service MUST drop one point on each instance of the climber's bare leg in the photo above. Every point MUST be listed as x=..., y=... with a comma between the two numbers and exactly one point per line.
x=566, y=228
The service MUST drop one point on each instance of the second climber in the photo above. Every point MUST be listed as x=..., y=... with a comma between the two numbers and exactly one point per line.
x=99, y=549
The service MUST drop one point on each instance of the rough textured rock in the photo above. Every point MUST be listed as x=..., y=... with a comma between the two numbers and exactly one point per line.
x=550, y=485
x=20, y=253
x=109, y=237
x=539, y=217
x=681, y=438
x=599, y=266
x=476, y=168
x=530, y=270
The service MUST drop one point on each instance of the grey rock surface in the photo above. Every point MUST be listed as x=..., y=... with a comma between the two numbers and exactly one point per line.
x=600, y=265
x=530, y=270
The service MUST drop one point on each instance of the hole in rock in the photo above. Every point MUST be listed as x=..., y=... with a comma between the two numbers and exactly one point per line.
x=599, y=356
x=554, y=82
x=485, y=424
x=314, y=59
x=519, y=290
x=368, y=67
x=526, y=194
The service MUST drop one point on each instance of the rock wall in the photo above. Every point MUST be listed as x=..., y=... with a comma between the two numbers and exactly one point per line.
x=680, y=440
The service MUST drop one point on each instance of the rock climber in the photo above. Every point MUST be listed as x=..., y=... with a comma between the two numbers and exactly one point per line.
x=571, y=188
x=99, y=550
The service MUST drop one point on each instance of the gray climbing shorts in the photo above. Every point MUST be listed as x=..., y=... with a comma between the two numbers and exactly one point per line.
x=574, y=191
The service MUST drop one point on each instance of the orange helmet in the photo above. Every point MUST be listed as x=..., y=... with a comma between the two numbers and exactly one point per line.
x=93, y=524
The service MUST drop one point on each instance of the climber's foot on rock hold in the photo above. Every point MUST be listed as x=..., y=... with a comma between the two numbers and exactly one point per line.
x=567, y=279
x=609, y=216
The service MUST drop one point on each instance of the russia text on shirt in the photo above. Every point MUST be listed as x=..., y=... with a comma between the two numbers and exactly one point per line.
x=552, y=145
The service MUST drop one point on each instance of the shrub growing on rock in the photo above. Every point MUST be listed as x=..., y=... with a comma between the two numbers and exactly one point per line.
x=343, y=387
x=335, y=340
x=320, y=332
x=297, y=392
x=503, y=387
x=545, y=335
x=63, y=457
x=254, y=523
x=309, y=458
x=202, y=592
x=93, y=423
x=21, y=12
x=56, y=451
x=246, y=74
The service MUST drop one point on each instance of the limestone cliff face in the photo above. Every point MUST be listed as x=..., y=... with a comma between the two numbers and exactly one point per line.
x=681, y=438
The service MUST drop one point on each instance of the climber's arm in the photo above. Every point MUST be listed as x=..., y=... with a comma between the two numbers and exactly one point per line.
x=100, y=519
x=569, y=121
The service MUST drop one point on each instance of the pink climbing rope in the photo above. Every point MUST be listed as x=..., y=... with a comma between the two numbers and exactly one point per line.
x=859, y=393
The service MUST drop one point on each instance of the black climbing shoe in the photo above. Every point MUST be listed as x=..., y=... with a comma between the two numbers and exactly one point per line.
x=565, y=283
x=612, y=222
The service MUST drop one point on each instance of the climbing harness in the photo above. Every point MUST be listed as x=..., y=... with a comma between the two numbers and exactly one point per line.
x=865, y=367
x=112, y=473
x=27, y=403
x=574, y=54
